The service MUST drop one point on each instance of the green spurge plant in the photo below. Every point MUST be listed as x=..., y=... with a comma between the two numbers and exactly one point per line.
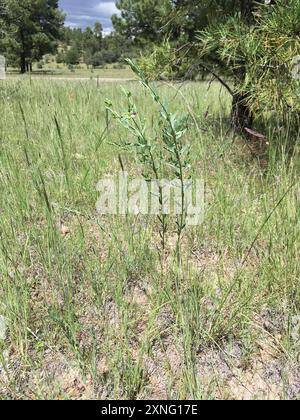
x=160, y=153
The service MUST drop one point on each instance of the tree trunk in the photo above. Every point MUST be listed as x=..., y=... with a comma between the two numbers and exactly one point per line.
x=23, y=63
x=28, y=67
x=241, y=116
x=247, y=9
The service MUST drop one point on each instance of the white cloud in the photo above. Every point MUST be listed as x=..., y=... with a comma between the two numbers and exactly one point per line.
x=106, y=8
x=107, y=31
x=81, y=17
x=71, y=24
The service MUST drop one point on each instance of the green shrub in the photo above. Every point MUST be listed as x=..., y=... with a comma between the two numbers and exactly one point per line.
x=160, y=63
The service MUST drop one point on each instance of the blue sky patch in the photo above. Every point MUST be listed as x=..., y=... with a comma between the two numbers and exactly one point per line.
x=83, y=13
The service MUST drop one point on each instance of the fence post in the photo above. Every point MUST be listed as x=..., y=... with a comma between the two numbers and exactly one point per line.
x=2, y=68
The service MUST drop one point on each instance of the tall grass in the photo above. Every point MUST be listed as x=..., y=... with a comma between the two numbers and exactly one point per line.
x=90, y=313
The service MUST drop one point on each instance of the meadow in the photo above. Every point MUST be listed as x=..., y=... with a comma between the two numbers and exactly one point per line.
x=89, y=307
x=81, y=71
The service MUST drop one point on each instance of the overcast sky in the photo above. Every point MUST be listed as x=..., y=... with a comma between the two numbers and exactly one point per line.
x=83, y=13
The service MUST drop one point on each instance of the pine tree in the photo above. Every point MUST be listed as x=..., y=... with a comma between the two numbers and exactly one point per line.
x=32, y=28
x=258, y=53
x=142, y=20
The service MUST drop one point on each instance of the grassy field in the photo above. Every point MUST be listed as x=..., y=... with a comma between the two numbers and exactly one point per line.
x=81, y=71
x=88, y=307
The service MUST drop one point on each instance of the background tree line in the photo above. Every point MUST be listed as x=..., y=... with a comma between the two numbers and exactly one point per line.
x=91, y=47
x=30, y=29
x=248, y=45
